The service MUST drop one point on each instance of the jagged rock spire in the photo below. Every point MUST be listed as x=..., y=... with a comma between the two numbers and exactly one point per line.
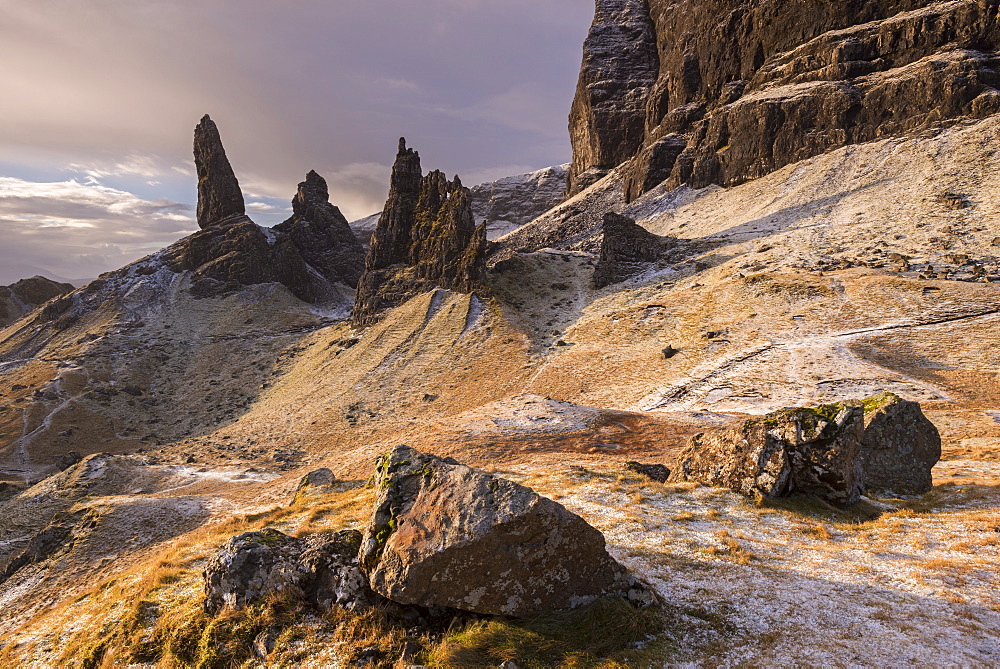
x=427, y=232
x=322, y=234
x=219, y=194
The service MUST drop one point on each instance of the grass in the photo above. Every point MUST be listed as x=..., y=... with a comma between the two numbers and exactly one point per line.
x=609, y=632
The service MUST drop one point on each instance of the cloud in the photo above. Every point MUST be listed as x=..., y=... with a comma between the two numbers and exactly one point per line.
x=110, y=91
x=78, y=230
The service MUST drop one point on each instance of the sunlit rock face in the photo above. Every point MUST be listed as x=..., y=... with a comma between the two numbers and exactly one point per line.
x=426, y=238
x=721, y=92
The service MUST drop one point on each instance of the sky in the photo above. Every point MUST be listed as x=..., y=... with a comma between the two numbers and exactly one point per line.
x=99, y=100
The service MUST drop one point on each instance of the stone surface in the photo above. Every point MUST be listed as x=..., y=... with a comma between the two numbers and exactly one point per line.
x=320, y=570
x=21, y=298
x=219, y=194
x=742, y=90
x=321, y=234
x=425, y=238
x=653, y=472
x=507, y=204
x=446, y=535
x=627, y=249
x=814, y=452
x=318, y=478
x=900, y=445
x=620, y=67
x=314, y=253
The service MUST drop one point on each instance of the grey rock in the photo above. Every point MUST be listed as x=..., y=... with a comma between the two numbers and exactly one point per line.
x=620, y=67
x=320, y=570
x=900, y=446
x=219, y=194
x=322, y=235
x=446, y=535
x=653, y=472
x=509, y=203
x=317, y=478
x=814, y=452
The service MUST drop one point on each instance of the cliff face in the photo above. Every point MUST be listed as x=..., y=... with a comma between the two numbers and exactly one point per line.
x=744, y=89
x=426, y=237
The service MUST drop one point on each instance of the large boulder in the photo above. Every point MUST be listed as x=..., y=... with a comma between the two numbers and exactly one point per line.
x=320, y=570
x=814, y=452
x=446, y=535
x=900, y=445
x=627, y=249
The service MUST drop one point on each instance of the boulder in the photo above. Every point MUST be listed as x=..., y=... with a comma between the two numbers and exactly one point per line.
x=219, y=194
x=447, y=535
x=320, y=570
x=322, y=477
x=426, y=238
x=810, y=451
x=658, y=473
x=627, y=249
x=899, y=447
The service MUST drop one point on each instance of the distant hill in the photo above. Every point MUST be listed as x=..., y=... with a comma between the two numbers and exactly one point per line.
x=23, y=297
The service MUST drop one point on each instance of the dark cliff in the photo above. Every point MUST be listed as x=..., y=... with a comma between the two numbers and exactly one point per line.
x=425, y=238
x=743, y=89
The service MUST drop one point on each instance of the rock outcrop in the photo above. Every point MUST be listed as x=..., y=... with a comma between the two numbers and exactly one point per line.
x=620, y=68
x=814, y=452
x=507, y=204
x=322, y=235
x=21, y=298
x=425, y=238
x=314, y=253
x=627, y=249
x=900, y=446
x=742, y=90
x=445, y=535
x=219, y=194
x=320, y=570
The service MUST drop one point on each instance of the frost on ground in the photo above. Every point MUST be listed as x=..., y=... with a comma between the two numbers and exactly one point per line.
x=794, y=583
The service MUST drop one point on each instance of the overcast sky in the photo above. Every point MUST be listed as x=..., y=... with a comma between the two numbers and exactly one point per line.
x=99, y=100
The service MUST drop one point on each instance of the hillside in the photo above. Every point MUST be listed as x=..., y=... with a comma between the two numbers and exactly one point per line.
x=215, y=378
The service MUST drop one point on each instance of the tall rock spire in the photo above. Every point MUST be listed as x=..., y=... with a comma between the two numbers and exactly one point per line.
x=219, y=194
x=427, y=237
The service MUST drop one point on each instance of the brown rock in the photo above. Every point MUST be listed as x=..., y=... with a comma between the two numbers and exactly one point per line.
x=620, y=67
x=446, y=535
x=425, y=238
x=900, y=445
x=21, y=298
x=749, y=88
x=321, y=234
x=814, y=452
x=219, y=194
